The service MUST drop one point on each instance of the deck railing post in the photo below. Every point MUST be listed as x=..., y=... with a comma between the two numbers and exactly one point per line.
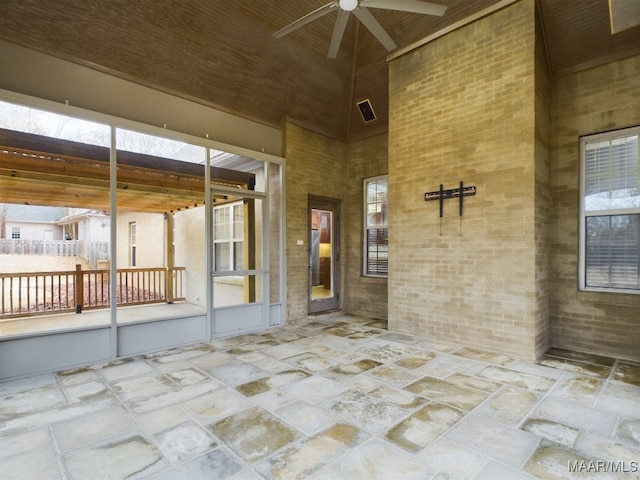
x=168, y=285
x=171, y=258
x=79, y=283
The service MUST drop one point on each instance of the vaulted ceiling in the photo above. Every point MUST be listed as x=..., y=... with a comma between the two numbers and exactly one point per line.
x=223, y=53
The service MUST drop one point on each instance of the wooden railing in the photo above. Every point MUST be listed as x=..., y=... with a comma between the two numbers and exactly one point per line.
x=38, y=293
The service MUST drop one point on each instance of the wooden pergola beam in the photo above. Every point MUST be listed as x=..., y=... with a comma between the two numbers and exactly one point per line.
x=46, y=171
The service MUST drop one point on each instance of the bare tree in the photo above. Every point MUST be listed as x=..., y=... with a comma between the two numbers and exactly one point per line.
x=4, y=214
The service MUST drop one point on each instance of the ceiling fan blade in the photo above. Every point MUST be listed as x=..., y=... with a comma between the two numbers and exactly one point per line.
x=412, y=6
x=374, y=27
x=338, y=32
x=309, y=17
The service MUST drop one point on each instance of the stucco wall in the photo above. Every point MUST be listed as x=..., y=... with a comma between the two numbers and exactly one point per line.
x=150, y=239
x=33, y=230
x=190, y=252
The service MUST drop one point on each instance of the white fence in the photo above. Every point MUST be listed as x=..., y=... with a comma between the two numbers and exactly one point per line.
x=91, y=251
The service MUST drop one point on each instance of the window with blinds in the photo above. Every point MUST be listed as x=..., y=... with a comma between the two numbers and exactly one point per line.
x=376, y=246
x=610, y=224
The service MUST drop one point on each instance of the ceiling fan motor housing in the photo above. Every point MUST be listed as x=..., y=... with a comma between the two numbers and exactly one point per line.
x=348, y=5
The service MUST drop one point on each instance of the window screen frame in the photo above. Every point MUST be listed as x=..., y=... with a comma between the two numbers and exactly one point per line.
x=602, y=212
x=367, y=227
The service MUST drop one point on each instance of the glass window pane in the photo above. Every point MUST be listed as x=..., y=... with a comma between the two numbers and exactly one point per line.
x=237, y=290
x=377, y=252
x=612, y=251
x=377, y=203
x=161, y=215
x=52, y=215
x=222, y=257
x=376, y=238
x=237, y=170
x=221, y=225
x=611, y=174
x=238, y=257
x=39, y=122
x=238, y=222
x=230, y=224
x=166, y=148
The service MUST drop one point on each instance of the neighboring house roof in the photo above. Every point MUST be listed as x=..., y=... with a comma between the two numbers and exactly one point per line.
x=59, y=215
x=76, y=216
x=30, y=213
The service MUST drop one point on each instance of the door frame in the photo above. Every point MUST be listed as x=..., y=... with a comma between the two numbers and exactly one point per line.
x=334, y=302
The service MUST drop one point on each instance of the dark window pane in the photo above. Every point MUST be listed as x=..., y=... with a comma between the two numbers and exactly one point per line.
x=377, y=252
x=612, y=243
x=222, y=257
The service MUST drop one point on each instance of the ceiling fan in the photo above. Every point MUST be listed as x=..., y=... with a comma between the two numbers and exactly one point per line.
x=360, y=10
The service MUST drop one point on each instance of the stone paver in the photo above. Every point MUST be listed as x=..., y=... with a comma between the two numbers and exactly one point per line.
x=338, y=397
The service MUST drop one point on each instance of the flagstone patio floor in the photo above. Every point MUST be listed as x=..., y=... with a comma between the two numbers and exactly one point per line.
x=337, y=397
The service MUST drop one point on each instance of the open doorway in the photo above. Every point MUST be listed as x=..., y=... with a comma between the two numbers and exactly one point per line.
x=324, y=254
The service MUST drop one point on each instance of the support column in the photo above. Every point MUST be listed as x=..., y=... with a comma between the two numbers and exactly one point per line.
x=249, y=246
x=171, y=254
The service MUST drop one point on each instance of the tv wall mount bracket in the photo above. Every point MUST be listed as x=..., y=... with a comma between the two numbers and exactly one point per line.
x=442, y=195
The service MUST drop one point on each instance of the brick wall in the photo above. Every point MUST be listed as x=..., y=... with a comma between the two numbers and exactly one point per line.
x=463, y=108
x=542, y=195
x=592, y=101
x=315, y=165
x=321, y=166
x=363, y=295
x=477, y=105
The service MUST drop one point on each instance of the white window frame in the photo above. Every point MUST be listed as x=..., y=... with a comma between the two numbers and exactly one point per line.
x=367, y=227
x=15, y=233
x=233, y=239
x=584, y=214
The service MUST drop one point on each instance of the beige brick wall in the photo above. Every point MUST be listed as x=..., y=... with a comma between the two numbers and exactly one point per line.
x=463, y=107
x=592, y=101
x=315, y=165
x=542, y=195
x=363, y=295
x=321, y=166
x=477, y=105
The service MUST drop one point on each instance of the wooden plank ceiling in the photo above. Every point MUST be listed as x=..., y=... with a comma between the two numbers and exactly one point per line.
x=38, y=170
x=223, y=53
